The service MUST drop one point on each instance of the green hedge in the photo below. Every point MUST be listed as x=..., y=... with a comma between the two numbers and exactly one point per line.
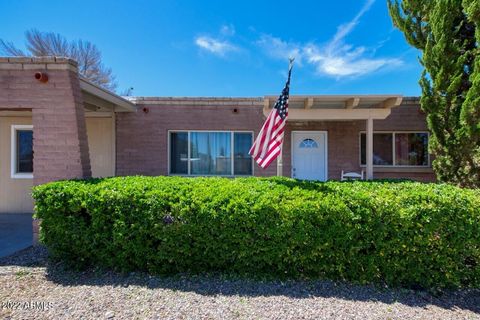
x=399, y=233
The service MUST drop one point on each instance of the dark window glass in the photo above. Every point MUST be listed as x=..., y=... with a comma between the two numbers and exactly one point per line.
x=210, y=153
x=242, y=160
x=309, y=144
x=24, y=151
x=382, y=149
x=411, y=149
x=179, y=152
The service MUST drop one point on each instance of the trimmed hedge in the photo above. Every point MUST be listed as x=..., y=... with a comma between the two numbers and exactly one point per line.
x=399, y=233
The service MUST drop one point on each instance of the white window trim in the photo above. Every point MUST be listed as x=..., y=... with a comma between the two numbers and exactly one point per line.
x=393, y=165
x=232, y=132
x=13, y=152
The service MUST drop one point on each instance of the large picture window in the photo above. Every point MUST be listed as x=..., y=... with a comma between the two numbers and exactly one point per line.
x=210, y=153
x=397, y=149
x=22, y=151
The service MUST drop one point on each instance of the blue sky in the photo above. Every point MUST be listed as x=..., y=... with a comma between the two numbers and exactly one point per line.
x=232, y=48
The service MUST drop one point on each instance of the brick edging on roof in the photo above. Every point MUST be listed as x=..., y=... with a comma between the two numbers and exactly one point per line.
x=31, y=63
x=222, y=101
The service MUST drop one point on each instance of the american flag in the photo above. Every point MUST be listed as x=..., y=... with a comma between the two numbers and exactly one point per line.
x=268, y=144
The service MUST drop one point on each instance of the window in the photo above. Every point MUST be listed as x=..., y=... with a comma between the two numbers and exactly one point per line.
x=242, y=161
x=210, y=153
x=22, y=151
x=309, y=144
x=397, y=149
x=179, y=152
x=411, y=149
x=382, y=149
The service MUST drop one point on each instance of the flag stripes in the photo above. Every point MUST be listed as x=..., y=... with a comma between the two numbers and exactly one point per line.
x=268, y=145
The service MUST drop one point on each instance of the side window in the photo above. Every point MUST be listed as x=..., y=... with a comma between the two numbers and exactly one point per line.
x=405, y=149
x=382, y=149
x=22, y=152
x=242, y=142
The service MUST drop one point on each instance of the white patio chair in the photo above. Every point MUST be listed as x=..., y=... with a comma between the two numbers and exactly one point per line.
x=352, y=176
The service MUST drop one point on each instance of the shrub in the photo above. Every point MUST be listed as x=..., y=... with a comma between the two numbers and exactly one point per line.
x=399, y=233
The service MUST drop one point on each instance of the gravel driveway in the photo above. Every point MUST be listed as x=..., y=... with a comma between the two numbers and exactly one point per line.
x=33, y=288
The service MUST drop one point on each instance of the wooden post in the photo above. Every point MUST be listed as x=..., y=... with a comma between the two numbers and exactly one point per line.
x=280, y=163
x=369, y=151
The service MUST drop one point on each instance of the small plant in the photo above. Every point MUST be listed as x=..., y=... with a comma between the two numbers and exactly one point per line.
x=22, y=273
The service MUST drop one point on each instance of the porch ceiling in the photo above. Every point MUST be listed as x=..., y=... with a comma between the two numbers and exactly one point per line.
x=97, y=99
x=337, y=107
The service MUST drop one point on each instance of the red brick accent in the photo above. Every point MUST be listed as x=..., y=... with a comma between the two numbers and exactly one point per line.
x=142, y=138
x=60, y=138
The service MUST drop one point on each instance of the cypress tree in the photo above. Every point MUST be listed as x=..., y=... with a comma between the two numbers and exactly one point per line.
x=447, y=32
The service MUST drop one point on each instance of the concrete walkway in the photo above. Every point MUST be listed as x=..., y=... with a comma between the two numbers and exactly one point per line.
x=15, y=232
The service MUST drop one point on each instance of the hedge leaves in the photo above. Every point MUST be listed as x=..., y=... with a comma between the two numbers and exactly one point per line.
x=399, y=233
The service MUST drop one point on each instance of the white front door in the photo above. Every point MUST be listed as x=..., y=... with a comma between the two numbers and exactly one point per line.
x=309, y=155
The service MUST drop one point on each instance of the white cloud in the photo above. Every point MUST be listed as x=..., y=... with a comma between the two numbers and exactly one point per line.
x=279, y=49
x=227, y=30
x=335, y=58
x=216, y=46
x=345, y=60
x=344, y=29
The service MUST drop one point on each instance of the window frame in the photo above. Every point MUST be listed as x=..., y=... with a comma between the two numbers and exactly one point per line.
x=232, y=154
x=13, y=152
x=394, y=156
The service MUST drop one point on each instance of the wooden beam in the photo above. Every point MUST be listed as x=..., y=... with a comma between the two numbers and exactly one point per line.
x=369, y=147
x=16, y=113
x=392, y=102
x=16, y=109
x=308, y=103
x=90, y=107
x=352, y=103
x=334, y=114
x=96, y=101
x=105, y=95
x=266, y=105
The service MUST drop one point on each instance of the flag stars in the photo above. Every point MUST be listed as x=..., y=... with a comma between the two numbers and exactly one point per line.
x=267, y=146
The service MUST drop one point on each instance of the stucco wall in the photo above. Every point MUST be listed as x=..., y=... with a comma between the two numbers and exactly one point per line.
x=59, y=133
x=15, y=194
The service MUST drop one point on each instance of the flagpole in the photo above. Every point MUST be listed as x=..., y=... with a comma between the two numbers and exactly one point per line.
x=280, y=163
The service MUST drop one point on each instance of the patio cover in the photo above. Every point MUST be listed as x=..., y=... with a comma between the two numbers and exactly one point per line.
x=339, y=107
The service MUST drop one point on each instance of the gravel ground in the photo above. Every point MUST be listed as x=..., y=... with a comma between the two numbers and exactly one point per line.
x=31, y=287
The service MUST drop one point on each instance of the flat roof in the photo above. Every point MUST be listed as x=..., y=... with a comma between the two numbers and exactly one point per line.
x=295, y=101
x=119, y=103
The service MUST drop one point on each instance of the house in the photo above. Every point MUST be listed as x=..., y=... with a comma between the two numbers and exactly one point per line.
x=54, y=124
